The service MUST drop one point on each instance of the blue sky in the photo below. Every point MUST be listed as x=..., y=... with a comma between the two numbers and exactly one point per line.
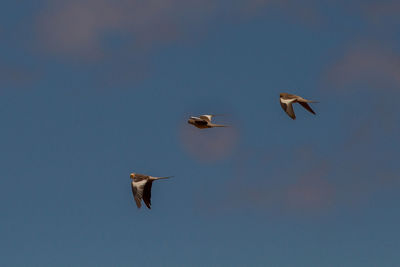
x=93, y=90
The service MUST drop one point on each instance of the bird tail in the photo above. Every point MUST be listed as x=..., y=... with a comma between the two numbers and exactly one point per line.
x=219, y=125
x=158, y=178
x=310, y=101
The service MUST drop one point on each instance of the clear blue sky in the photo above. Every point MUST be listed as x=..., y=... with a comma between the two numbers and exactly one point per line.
x=93, y=90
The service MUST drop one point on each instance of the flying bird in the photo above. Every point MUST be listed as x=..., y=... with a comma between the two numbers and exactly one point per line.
x=287, y=100
x=141, y=188
x=204, y=121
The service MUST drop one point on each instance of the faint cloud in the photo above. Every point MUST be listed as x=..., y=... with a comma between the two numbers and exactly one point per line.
x=307, y=12
x=312, y=192
x=79, y=27
x=272, y=182
x=306, y=183
x=366, y=64
x=16, y=75
x=382, y=11
x=367, y=70
x=208, y=145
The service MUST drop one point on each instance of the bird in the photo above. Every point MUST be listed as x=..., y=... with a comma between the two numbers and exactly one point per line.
x=287, y=100
x=141, y=188
x=203, y=122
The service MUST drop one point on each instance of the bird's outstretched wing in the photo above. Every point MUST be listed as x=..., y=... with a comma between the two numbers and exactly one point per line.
x=288, y=108
x=147, y=194
x=136, y=196
x=201, y=123
x=306, y=106
x=137, y=191
x=206, y=117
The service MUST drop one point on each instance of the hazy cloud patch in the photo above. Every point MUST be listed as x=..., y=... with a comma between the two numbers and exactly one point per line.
x=208, y=145
x=79, y=27
x=366, y=63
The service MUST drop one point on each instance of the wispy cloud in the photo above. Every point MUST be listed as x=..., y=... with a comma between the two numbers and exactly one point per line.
x=17, y=75
x=382, y=11
x=301, y=181
x=79, y=27
x=306, y=12
x=366, y=63
x=266, y=184
x=209, y=145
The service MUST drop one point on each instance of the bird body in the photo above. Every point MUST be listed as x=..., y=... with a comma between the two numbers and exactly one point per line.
x=287, y=100
x=203, y=122
x=141, y=188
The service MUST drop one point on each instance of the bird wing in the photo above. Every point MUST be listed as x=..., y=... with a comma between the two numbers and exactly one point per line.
x=306, y=106
x=137, y=191
x=288, y=107
x=201, y=122
x=206, y=117
x=147, y=194
x=136, y=196
x=291, y=96
x=140, y=177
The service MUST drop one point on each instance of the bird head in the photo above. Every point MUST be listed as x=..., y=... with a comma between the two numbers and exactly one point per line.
x=132, y=175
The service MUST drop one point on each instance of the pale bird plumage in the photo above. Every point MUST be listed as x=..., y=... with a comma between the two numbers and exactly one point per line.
x=206, y=117
x=287, y=100
x=141, y=188
x=203, y=122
